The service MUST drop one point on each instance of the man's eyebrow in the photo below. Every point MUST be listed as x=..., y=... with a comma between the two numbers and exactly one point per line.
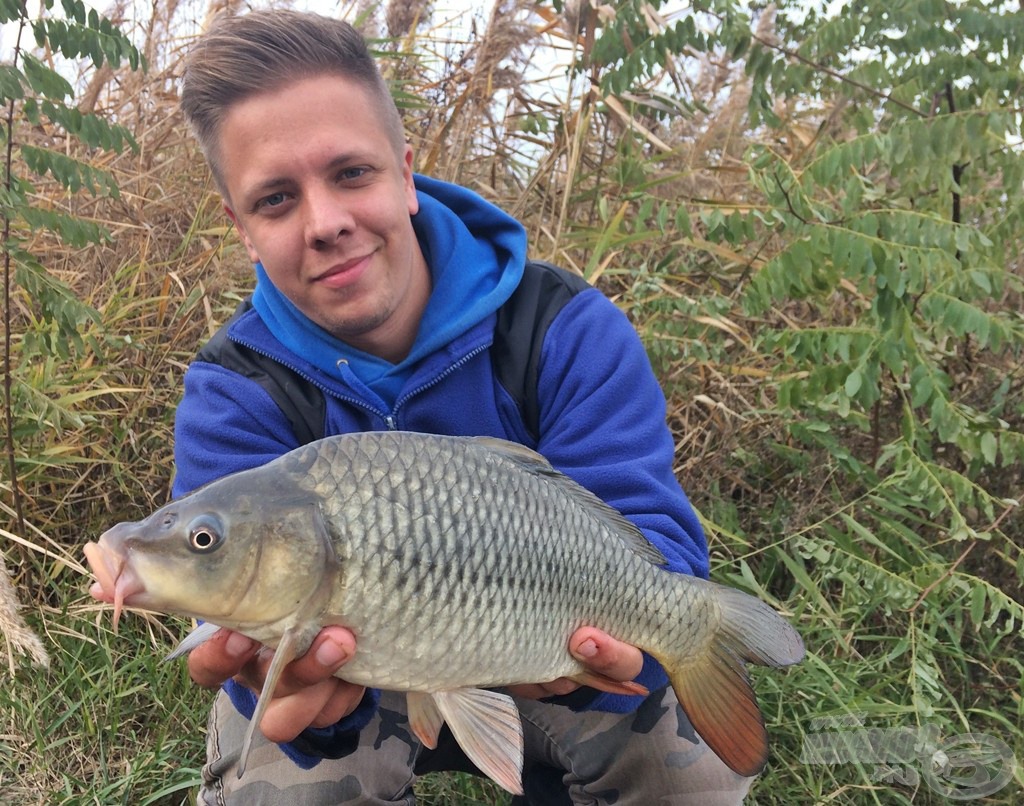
x=349, y=157
x=268, y=184
x=339, y=161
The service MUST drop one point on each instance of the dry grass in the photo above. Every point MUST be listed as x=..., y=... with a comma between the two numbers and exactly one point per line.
x=96, y=439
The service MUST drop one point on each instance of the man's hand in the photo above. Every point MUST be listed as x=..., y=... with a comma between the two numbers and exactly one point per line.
x=600, y=653
x=307, y=694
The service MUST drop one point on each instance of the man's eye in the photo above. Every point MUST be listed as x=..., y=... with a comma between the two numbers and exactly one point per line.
x=273, y=200
x=350, y=174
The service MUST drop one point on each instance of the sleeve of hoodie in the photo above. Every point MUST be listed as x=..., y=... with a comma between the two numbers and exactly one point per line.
x=602, y=422
x=226, y=423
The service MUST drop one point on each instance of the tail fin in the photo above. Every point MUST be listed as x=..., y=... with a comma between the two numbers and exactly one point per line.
x=714, y=688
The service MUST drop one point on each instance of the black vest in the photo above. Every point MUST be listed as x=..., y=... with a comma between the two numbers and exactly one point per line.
x=523, y=322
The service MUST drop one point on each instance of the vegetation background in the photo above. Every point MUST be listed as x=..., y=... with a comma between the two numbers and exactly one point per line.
x=814, y=220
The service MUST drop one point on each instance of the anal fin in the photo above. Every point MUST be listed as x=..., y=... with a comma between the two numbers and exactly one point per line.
x=487, y=727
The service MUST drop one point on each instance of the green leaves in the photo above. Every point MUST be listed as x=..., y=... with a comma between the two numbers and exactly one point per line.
x=84, y=33
x=867, y=230
x=91, y=129
x=75, y=232
x=50, y=321
x=43, y=81
x=57, y=330
x=636, y=43
x=73, y=174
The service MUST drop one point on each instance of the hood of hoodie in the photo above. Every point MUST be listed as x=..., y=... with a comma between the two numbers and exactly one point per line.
x=475, y=253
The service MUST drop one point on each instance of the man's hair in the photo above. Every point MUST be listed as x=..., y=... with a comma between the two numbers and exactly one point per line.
x=243, y=56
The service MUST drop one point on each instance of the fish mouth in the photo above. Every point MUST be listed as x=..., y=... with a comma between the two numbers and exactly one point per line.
x=116, y=580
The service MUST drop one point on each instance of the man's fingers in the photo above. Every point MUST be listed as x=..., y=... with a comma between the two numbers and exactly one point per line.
x=96, y=591
x=599, y=652
x=343, y=701
x=329, y=651
x=538, y=691
x=307, y=692
x=287, y=716
x=559, y=687
x=220, y=658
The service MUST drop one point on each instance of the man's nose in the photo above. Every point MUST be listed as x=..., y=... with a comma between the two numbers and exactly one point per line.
x=328, y=218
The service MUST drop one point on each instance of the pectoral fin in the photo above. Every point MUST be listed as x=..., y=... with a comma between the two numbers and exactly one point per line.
x=487, y=727
x=287, y=650
x=200, y=635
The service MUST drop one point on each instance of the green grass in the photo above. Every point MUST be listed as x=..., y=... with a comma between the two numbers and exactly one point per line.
x=111, y=723
x=107, y=723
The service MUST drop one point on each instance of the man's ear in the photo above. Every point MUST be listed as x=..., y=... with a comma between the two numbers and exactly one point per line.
x=249, y=247
x=412, y=200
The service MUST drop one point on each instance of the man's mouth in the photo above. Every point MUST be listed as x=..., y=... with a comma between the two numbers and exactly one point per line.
x=344, y=274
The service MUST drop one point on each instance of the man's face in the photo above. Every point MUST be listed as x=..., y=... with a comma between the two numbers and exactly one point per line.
x=323, y=201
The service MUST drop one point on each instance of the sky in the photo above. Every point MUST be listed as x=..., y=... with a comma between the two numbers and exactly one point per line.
x=458, y=13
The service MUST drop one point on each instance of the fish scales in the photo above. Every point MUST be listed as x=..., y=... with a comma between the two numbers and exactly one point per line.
x=460, y=564
x=476, y=567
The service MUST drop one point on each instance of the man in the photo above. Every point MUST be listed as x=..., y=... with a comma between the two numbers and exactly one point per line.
x=381, y=290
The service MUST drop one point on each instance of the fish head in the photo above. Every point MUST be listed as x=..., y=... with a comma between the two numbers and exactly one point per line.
x=241, y=553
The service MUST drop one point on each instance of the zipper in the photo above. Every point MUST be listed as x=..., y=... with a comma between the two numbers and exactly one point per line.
x=355, y=401
x=390, y=419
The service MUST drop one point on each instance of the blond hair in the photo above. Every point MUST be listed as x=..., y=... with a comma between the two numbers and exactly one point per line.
x=243, y=56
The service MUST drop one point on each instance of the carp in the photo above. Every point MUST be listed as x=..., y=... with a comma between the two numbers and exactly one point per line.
x=461, y=564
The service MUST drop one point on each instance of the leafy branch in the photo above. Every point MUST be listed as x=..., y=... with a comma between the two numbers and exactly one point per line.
x=9, y=444
x=36, y=93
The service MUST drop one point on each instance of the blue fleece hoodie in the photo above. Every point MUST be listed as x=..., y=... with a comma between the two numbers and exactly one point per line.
x=602, y=412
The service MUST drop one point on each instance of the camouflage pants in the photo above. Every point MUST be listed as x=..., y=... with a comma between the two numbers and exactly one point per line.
x=650, y=757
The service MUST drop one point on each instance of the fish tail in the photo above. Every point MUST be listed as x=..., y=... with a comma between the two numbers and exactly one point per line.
x=713, y=686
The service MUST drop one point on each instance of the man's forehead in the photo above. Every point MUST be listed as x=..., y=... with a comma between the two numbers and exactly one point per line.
x=326, y=122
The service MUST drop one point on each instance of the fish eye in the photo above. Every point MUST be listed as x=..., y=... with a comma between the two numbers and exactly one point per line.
x=205, y=535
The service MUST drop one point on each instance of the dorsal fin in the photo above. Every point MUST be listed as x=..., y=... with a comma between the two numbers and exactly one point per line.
x=532, y=462
x=520, y=454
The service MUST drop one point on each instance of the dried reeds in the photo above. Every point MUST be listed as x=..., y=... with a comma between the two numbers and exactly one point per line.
x=17, y=635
